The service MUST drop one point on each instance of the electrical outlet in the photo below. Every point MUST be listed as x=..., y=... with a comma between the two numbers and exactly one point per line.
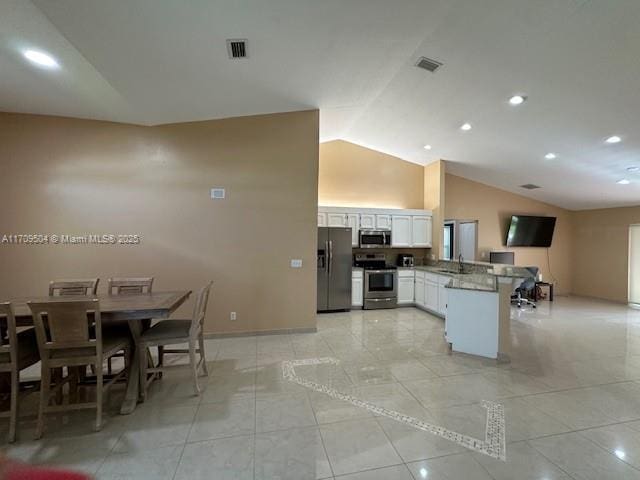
x=233, y=316
x=296, y=263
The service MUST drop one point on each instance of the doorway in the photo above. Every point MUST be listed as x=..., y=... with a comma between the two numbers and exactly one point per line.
x=460, y=238
x=634, y=264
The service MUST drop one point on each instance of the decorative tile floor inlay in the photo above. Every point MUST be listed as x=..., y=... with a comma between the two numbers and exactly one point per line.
x=493, y=444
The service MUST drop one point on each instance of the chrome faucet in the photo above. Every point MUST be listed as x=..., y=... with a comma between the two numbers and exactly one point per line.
x=460, y=264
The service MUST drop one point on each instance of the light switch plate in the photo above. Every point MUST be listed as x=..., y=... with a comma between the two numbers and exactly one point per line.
x=217, y=193
x=296, y=263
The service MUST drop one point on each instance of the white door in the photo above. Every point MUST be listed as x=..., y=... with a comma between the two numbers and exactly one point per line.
x=419, y=291
x=468, y=242
x=401, y=231
x=383, y=222
x=634, y=264
x=421, y=231
x=336, y=219
x=367, y=221
x=405, y=290
x=322, y=219
x=431, y=295
x=353, y=221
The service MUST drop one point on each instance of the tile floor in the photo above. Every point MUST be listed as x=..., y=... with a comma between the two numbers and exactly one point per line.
x=571, y=397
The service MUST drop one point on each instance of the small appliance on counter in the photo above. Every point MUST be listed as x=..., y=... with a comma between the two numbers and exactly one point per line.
x=380, y=281
x=405, y=260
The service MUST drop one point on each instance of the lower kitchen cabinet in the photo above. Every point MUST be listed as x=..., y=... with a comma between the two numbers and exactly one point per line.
x=406, y=287
x=357, y=288
x=419, y=289
x=431, y=295
x=442, y=297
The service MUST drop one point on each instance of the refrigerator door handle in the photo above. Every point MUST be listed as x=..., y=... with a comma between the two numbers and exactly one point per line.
x=330, y=260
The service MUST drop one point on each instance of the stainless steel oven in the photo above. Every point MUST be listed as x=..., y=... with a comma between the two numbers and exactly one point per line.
x=380, y=288
x=375, y=238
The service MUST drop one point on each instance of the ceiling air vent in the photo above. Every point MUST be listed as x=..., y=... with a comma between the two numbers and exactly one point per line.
x=237, y=48
x=428, y=64
x=530, y=186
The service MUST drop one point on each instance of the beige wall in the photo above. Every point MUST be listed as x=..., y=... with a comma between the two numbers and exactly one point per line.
x=72, y=176
x=354, y=176
x=492, y=207
x=434, y=200
x=601, y=252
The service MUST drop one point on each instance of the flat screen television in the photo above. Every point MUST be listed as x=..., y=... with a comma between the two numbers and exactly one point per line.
x=529, y=231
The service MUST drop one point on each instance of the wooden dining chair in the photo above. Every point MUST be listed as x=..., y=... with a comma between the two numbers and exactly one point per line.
x=176, y=331
x=69, y=334
x=127, y=286
x=81, y=287
x=17, y=352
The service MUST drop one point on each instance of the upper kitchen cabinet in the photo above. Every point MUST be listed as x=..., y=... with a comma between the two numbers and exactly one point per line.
x=353, y=221
x=421, y=231
x=336, y=219
x=383, y=222
x=409, y=228
x=401, y=231
x=367, y=221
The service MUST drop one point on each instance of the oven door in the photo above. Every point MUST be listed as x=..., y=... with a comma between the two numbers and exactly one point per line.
x=375, y=239
x=380, y=283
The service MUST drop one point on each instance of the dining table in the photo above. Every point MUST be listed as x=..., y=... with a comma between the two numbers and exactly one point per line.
x=137, y=309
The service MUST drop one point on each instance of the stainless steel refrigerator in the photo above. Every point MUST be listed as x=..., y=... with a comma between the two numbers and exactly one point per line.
x=334, y=268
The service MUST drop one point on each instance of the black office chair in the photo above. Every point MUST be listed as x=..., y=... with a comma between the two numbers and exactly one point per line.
x=527, y=285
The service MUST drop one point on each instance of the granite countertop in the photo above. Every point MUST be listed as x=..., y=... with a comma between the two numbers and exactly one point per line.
x=462, y=282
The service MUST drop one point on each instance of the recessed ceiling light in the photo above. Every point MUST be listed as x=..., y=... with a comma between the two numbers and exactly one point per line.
x=427, y=147
x=465, y=126
x=613, y=139
x=550, y=156
x=40, y=58
x=633, y=169
x=517, y=100
x=624, y=181
x=620, y=453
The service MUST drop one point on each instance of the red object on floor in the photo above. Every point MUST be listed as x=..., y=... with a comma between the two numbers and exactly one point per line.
x=17, y=471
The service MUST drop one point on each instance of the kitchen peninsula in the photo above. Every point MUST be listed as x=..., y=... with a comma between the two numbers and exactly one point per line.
x=475, y=300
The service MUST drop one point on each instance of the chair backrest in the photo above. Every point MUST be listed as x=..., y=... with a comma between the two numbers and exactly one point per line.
x=8, y=334
x=530, y=282
x=129, y=286
x=200, y=309
x=67, y=324
x=80, y=287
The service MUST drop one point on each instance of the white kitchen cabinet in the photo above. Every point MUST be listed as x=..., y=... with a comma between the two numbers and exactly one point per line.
x=336, y=219
x=400, y=231
x=383, y=222
x=431, y=295
x=353, y=221
x=322, y=219
x=419, y=290
x=442, y=300
x=421, y=231
x=367, y=221
x=405, y=291
x=357, y=288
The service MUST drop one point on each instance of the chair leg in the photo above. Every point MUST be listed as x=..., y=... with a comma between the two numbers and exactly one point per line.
x=202, y=357
x=99, y=392
x=109, y=370
x=45, y=385
x=13, y=420
x=57, y=377
x=194, y=365
x=160, y=359
x=142, y=349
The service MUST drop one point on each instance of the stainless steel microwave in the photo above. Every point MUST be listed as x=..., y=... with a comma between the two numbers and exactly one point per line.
x=375, y=239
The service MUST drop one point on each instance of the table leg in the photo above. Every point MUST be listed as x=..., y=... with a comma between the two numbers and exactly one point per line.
x=551, y=292
x=133, y=379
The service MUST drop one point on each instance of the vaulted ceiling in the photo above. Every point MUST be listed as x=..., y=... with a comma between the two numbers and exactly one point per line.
x=159, y=61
